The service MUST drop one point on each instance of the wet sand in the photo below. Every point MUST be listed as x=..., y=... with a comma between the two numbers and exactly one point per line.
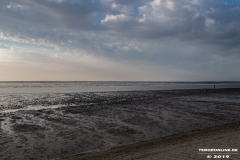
x=46, y=126
x=179, y=146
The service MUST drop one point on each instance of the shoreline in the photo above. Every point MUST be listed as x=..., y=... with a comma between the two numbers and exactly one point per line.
x=143, y=149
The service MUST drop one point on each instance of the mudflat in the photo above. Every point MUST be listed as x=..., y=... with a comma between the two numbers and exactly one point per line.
x=46, y=126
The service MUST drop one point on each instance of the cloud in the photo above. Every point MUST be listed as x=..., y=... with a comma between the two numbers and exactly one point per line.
x=192, y=19
x=187, y=35
x=117, y=18
x=2, y=46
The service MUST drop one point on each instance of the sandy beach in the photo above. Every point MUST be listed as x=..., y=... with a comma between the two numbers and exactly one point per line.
x=183, y=146
x=47, y=126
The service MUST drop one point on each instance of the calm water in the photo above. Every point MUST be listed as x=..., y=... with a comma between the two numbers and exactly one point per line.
x=81, y=86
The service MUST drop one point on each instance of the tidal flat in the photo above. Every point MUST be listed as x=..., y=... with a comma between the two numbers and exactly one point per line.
x=46, y=126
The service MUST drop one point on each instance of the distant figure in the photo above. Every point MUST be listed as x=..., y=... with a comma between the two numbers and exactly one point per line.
x=206, y=91
x=214, y=86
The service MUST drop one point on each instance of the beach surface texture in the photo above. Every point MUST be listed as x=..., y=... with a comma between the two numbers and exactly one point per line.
x=53, y=125
x=184, y=146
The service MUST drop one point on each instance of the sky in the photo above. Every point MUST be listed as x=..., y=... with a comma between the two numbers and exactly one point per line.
x=119, y=40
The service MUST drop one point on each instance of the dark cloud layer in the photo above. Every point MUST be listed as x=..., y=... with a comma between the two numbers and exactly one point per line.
x=185, y=33
x=183, y=19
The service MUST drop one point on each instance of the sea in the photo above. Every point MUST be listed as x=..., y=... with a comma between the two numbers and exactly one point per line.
x=40, y=87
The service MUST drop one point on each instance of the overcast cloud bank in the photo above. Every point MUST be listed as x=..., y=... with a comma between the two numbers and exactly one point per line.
x=119, y=40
